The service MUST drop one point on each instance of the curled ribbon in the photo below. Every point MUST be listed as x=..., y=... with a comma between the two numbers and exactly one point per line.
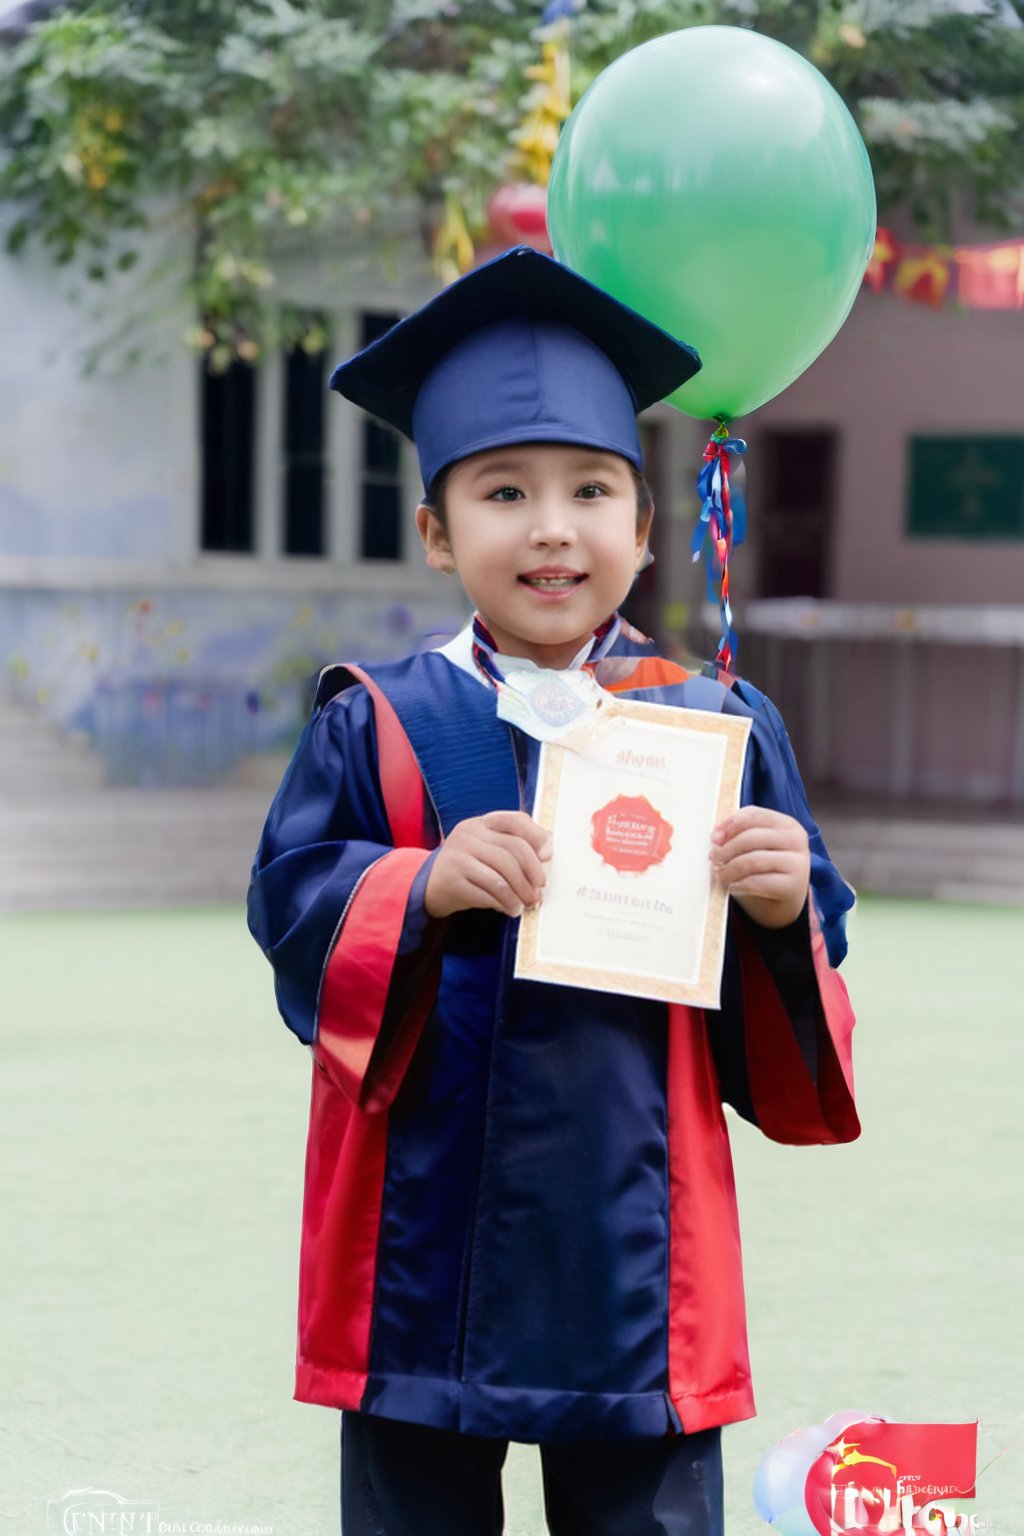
x=725, y=523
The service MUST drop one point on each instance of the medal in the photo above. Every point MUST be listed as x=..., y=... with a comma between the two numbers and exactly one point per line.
x=546, y=704
x=549, y=705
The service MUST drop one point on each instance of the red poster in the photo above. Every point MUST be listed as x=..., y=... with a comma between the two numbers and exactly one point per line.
x=877, y=1475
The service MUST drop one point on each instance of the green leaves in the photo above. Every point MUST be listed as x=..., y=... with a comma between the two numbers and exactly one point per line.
x=260, y=124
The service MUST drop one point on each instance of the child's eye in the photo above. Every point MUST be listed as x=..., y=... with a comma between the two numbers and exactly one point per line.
x=590, y=491
x=505, y=493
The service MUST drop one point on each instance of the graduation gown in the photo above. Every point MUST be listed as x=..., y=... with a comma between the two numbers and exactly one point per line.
x=519, y=1216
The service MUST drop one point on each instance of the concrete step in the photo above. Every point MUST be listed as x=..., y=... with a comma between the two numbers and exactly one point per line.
x=78, y=891
x=984, y=837
x=128, y=847
x=978, y=891
x=38, y=759
x=135, y=809
x=893, y=879
x=954, y=859
x=28, y=732
x=23, y=779
x=68, y=840
x=50, y=853
x=124, y=847
x=946, y=860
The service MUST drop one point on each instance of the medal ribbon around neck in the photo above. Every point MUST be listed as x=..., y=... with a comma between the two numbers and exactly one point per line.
x=485, y=646
x=545, y=702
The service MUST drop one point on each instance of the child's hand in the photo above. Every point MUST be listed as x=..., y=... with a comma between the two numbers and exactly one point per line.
x=494, y=861
x=762, y=858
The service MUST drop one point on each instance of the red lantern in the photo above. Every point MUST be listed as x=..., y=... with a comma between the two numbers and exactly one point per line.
x=518, y=215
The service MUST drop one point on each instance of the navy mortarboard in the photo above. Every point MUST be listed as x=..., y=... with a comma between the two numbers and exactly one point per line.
x=520, y=350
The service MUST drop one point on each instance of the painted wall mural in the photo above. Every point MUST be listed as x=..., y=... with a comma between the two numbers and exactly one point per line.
x=176, y=686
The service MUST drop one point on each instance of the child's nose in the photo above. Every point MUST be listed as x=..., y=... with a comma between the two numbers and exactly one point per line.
x=553, y=524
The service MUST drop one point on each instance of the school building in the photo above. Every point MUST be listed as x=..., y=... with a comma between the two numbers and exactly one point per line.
x=181, y=552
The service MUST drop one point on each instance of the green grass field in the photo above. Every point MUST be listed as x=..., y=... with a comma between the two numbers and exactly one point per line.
x=153, y=1121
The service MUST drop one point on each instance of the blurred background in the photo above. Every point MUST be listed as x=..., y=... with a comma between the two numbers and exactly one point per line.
x=204, y=205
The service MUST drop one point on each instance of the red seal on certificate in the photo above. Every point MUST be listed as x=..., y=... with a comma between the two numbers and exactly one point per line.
x=630, y=834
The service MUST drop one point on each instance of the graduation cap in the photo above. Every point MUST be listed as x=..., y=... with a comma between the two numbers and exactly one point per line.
x=521, y=350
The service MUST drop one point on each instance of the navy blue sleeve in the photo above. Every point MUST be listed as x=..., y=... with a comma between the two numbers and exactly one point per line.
x=326, y=827
x=771, y=778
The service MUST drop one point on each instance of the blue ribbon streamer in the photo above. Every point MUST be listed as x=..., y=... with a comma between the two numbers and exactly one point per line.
x=712, y=520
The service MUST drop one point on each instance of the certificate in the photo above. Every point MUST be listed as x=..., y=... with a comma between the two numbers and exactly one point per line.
x=630, y=905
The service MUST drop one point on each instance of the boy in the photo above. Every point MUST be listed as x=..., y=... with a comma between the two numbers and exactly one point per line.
x=519, y=1218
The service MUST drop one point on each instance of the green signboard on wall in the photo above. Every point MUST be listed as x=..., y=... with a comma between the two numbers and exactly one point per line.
x=966, y=488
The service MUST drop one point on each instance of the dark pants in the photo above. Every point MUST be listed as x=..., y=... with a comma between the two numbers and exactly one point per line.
x=410, y=1480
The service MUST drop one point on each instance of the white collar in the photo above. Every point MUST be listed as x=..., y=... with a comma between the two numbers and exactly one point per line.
x=459, y=651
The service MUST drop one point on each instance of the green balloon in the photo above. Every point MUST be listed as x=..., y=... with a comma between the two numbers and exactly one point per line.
x=713, y=180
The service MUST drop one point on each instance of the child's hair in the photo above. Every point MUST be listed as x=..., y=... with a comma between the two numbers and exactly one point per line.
x=434, y=500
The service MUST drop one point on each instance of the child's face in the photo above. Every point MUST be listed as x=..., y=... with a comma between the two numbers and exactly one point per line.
x=545, y=540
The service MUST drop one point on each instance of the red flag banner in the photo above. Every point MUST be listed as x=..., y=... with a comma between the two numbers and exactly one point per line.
x=922, y=275
x=987, y=276
x=991, y=276
x=883, y=258
x=879, y=1476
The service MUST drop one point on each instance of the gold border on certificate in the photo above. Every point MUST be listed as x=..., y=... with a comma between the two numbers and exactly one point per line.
x=704, y=991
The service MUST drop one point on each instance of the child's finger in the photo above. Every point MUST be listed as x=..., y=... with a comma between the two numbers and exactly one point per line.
x=758, y=865
x=783, y=837
x=528, y=860
x=747, y=817
x=519, y=824
x=766, y=887
x=754, y=873
x=493, y=895
x=500, y=860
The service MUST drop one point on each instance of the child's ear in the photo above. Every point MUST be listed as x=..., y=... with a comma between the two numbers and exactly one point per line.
x=644, y=558
x=435, y=540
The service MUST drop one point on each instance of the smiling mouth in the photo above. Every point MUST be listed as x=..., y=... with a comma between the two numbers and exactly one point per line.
x=560, y=583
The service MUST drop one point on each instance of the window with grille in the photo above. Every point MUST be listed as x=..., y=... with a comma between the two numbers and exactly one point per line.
x=227, y=405
x=304, y=529
x=381, y=488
